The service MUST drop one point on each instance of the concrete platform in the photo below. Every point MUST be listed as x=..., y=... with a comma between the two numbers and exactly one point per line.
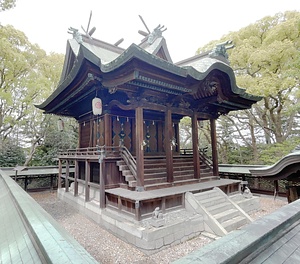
x=179, y=224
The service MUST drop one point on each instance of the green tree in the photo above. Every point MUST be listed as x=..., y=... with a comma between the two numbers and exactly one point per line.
x=11, y=154
x=27, y=77
x=55, y=140
x=266, y=61
x=7, y=4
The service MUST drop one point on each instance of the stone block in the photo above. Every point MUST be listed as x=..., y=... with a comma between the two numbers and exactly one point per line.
x=159, y=243
x=130, y=228
x=169, y=239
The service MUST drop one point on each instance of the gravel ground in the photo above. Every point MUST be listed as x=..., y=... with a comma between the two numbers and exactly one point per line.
x=106, y=248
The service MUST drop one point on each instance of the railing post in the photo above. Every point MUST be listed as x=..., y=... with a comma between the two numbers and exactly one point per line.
x=59, y=173
x=213, y=135
x=195, y=146
x=139, y=148
x=67, y=176
x=87, y=180
x=76, y=178
x=101, y=176
x=168, y=147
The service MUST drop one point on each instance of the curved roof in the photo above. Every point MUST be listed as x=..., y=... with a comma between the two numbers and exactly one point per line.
x=146, y=71
x=284, y=168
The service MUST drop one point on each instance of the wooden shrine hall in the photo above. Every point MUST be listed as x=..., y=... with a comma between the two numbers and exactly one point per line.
x=128, y=104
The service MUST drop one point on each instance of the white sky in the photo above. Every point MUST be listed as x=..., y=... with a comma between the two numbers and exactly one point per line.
x=190, y=23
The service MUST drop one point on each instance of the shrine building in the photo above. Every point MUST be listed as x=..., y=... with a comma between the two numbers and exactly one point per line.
x=128, y=104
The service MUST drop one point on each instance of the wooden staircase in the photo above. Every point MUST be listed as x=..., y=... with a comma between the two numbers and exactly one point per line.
x=155, y=174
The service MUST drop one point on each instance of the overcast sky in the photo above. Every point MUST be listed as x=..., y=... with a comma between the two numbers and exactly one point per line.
x=190, y=23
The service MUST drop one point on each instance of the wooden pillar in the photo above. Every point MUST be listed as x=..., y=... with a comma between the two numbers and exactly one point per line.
x=213, y=135
x=67, y=176
x=76, y=176
x=107, y=130
x=51, y=182
x=168, y=147
x=195, y=140
x=87, y=180
x=139, y=131
x=59, y=173
x=25, y=183
x=176, y=128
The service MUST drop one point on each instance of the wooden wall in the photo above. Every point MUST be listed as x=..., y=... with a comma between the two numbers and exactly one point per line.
x=122, y=130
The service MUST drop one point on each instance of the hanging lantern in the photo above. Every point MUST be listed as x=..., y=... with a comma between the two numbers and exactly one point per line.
x=60, y=124
x=97, y=106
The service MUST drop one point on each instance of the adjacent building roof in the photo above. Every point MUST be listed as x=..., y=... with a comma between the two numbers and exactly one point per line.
x=286, y=168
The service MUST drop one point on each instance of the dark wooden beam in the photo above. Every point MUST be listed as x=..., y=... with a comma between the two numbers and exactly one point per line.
x=139, y=133
x=213, y=135
x=195, y=146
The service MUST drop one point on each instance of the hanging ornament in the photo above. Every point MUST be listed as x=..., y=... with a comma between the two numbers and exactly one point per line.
x=97, y=106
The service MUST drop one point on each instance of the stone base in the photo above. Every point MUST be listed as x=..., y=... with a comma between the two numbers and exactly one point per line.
x=157, y=222
x=149, y=235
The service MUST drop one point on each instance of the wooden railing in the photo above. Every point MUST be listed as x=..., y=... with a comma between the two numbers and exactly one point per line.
x=129, y=160
x=203, y=155
x=103, y=152
x=109, y=151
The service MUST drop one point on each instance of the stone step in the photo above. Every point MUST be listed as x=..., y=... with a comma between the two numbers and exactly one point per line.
x=211, y=201
x=218, y=208
x=205, y=195
x=234, y=223
x=226, y=215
